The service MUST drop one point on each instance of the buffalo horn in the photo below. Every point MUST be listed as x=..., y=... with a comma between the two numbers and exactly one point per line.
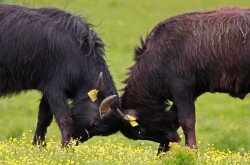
x=120, y=112
x=104, y=107
x=100, y=81
x=122, y=115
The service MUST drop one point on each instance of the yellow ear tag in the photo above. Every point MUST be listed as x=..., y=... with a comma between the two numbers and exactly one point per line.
x=132, y=121
x=93, y=94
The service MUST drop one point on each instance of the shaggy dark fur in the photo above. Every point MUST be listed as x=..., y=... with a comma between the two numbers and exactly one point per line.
x=186, y=56
x=182, y=58
x=57, y=53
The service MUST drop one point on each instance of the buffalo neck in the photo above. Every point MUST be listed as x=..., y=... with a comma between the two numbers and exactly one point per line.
x=144, y=88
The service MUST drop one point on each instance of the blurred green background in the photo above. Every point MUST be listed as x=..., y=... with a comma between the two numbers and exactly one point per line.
x=221, y=120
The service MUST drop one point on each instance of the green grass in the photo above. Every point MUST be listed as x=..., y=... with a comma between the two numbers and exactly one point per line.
x=221, y=120
x=112, y=151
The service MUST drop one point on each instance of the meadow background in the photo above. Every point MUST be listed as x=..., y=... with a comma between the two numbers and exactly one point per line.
x=222, y=122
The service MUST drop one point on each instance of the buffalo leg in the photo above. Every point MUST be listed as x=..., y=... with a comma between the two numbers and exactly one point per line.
x=186, y=114
x=59, y=107
x=164, y=147
x=44, y=119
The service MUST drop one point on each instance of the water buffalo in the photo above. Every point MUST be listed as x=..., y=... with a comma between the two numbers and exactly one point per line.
x=182, y=58
x=59, y=54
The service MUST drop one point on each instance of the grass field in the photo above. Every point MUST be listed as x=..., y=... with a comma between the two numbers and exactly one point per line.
x=223, y=123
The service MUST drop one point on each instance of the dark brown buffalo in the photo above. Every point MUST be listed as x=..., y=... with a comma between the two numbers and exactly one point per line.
x=182, y=58
x=186, y=56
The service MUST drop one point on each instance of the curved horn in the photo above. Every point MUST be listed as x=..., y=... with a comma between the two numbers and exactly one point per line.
x=125, y=117
x=100, y=81
x=120, y=112
x=104, y=106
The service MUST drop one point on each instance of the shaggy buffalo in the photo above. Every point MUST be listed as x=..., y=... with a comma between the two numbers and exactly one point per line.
x=182, y=58
x=58, y=54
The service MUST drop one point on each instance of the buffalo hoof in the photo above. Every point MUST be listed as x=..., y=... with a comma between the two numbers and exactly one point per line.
x=39, y=141
x=162, y=148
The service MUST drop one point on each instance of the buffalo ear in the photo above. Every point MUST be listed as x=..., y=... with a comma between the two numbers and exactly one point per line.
x=129, y=115
x=93, y=94
x=131, y=112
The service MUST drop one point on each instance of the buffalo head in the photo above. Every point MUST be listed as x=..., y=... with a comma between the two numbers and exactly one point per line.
x=89, y=109
x=136, y=124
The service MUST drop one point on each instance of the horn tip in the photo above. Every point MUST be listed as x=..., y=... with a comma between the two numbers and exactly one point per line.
x=101, y=74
